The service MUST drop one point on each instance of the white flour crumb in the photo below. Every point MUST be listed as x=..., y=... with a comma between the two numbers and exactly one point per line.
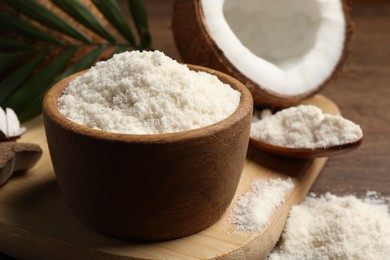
x=332, y=227
x=305, y=126
x=146, y=93
x=253, y=209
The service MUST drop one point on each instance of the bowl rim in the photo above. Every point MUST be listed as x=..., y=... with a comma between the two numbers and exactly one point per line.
x=50, y=110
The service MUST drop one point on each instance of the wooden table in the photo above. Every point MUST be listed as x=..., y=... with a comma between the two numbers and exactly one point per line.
x=363, y=95
x=362, y=92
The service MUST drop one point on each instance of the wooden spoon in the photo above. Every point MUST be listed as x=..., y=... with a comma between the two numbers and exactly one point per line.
x=306, y=152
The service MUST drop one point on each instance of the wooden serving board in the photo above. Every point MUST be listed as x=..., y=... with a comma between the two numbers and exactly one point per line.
x=36, y=223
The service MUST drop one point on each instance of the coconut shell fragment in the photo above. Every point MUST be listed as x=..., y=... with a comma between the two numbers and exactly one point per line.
x=196, y=46
x=16, y=156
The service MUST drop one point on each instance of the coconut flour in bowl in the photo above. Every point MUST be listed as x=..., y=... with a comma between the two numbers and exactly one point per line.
x=146, y=93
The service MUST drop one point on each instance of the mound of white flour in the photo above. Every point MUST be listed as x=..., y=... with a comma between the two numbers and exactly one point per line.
x=333, y=227
x=304, y=126
x=253, y=209
x=146, y=93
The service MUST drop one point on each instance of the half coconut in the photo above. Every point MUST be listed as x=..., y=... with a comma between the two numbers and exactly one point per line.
x=10, y=129
x=283, y=50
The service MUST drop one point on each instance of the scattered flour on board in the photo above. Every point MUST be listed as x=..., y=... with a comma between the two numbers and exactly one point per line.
x=333, y=227
x=146, y=93
x=253, y=209
x=304, y=126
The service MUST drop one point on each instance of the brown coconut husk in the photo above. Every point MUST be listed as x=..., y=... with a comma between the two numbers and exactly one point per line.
x=197, y=47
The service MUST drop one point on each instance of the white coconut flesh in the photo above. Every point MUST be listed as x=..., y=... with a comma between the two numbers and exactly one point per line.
x=286, y=46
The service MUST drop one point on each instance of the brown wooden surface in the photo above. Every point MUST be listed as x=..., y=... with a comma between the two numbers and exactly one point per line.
x=362, y=92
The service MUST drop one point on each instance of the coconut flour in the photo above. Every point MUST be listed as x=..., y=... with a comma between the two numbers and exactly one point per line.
x=253, y=209
x=322, y=227
x=304, y=126
x=332, y=227
x=146, y=93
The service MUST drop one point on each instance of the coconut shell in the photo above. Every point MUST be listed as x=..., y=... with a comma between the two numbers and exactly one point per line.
x=16, y=156
x=197, y=47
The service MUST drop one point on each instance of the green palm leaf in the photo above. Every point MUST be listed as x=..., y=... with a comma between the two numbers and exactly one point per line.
x=9, y=43
x=138, y=12
x=13, y=81
x=39, y=83
x=7, y=59
x=112, y=12
x=32, y=109
x=57, y=46
x=81, y=13
x=12, y=24
x=41, y=14
x=84, y=63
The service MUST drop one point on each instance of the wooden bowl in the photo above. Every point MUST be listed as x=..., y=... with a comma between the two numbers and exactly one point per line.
x=148, y=187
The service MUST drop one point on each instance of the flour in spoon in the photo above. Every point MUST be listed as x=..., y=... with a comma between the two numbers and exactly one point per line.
x=304, y=126
x=146, y=93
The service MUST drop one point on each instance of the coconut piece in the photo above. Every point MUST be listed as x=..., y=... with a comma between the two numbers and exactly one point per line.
x=16, y=156
x=9, y=125
x=3, y=124
x=13, y=124
x=283, y=51
x=7, y=161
